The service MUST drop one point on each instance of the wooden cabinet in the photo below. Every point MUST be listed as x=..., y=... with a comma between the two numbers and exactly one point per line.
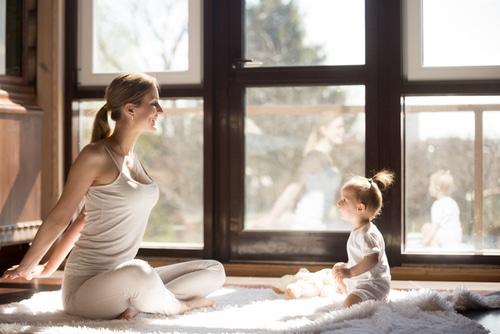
x=20, y=129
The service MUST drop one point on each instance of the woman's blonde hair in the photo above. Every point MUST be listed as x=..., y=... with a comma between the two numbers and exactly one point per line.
x=369, y=190
x=325, y=119
x=125, y=88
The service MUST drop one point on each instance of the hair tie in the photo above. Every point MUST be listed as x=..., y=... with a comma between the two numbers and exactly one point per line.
x=106, y=107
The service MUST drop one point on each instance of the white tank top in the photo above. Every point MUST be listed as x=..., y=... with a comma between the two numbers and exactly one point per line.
x=116, y=216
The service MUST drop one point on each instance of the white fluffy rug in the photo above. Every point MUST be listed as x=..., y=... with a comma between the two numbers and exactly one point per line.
x=259, y=310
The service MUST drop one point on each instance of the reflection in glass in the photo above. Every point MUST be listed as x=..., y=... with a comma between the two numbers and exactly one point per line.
x=491, y=179
x=173, y=156
x=301, y=143
x=304, y=32
x=444, y=229
x=442, y=171
x=467, y=35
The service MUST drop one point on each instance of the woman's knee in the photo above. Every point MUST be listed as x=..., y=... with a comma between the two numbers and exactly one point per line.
x=218, y=268
x=136, y=269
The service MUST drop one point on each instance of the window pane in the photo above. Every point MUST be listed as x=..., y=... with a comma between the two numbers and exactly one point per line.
x=445, y=165
x=140, y=47
x=11, y=18
x=461, y=32
x=304, y=32
x=491, y=194
x=301, y=144
x=173, y=156
x=154, y=36
x=3, y=35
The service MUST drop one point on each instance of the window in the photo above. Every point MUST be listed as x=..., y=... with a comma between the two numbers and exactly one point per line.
x=452, y=151
x=11, y=36
x=174, y=159
x=129, y=36
x=452, y=39
x=3, y=12
x=255, y=126
x=320, y=32
x=301, y=144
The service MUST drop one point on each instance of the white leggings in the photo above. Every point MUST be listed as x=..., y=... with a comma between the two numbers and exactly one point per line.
x=135, y=283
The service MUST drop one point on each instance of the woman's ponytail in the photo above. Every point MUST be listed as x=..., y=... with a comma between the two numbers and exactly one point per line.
x=101, y=127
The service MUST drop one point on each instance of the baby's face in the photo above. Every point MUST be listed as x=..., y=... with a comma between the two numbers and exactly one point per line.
x=433, y=189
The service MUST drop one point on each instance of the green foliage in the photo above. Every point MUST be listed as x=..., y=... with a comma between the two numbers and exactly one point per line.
x=275, y=35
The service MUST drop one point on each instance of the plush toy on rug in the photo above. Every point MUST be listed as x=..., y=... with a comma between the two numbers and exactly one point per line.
x=306, y=284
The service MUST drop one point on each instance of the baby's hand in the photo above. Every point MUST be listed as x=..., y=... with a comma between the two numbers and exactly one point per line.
x=336, y=267
x=341, y=273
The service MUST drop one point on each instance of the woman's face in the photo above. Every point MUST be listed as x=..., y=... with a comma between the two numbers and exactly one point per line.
x=334, y=131
x=148, y=111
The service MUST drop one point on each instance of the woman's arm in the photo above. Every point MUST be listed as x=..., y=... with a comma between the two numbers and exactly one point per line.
x=64, y=246
x=82, y=174
x=290, y=195
x=286, y=200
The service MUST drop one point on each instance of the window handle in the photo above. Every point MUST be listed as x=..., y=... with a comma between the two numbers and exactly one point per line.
x=245, y=63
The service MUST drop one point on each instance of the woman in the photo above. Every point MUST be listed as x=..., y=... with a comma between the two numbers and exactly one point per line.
x=316, y=181
x=102, y=280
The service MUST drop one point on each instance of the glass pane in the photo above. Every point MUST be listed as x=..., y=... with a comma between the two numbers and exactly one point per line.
x=173, y=156
x=443, y=171
x=3, y=19
x=301, y=144
x=304, y=32
x=461, y=32
x=491, y=193
x=136, y=30
x=11, y=17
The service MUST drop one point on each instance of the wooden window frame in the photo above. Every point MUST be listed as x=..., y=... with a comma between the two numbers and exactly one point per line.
x=385, y=85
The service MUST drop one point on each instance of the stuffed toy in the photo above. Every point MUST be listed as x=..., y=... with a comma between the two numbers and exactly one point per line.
x=306, y=284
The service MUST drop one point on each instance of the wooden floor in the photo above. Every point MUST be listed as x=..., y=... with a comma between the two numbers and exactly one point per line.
x=17, y=290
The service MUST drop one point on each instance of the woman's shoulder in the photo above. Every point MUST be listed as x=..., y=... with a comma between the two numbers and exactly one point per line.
x=94, y=153
x=98, y=147
x=315, y=161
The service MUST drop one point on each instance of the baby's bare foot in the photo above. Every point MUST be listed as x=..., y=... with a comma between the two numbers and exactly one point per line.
x=198, y=302
x=128, y=313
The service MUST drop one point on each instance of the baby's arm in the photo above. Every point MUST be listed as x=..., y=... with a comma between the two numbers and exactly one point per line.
x=366, y=264
x=341, y=288
x=429, y=232
x=336, y=271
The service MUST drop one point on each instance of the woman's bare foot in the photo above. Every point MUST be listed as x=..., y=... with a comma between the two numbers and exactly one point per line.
x=128, y=313
x=198, y=302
